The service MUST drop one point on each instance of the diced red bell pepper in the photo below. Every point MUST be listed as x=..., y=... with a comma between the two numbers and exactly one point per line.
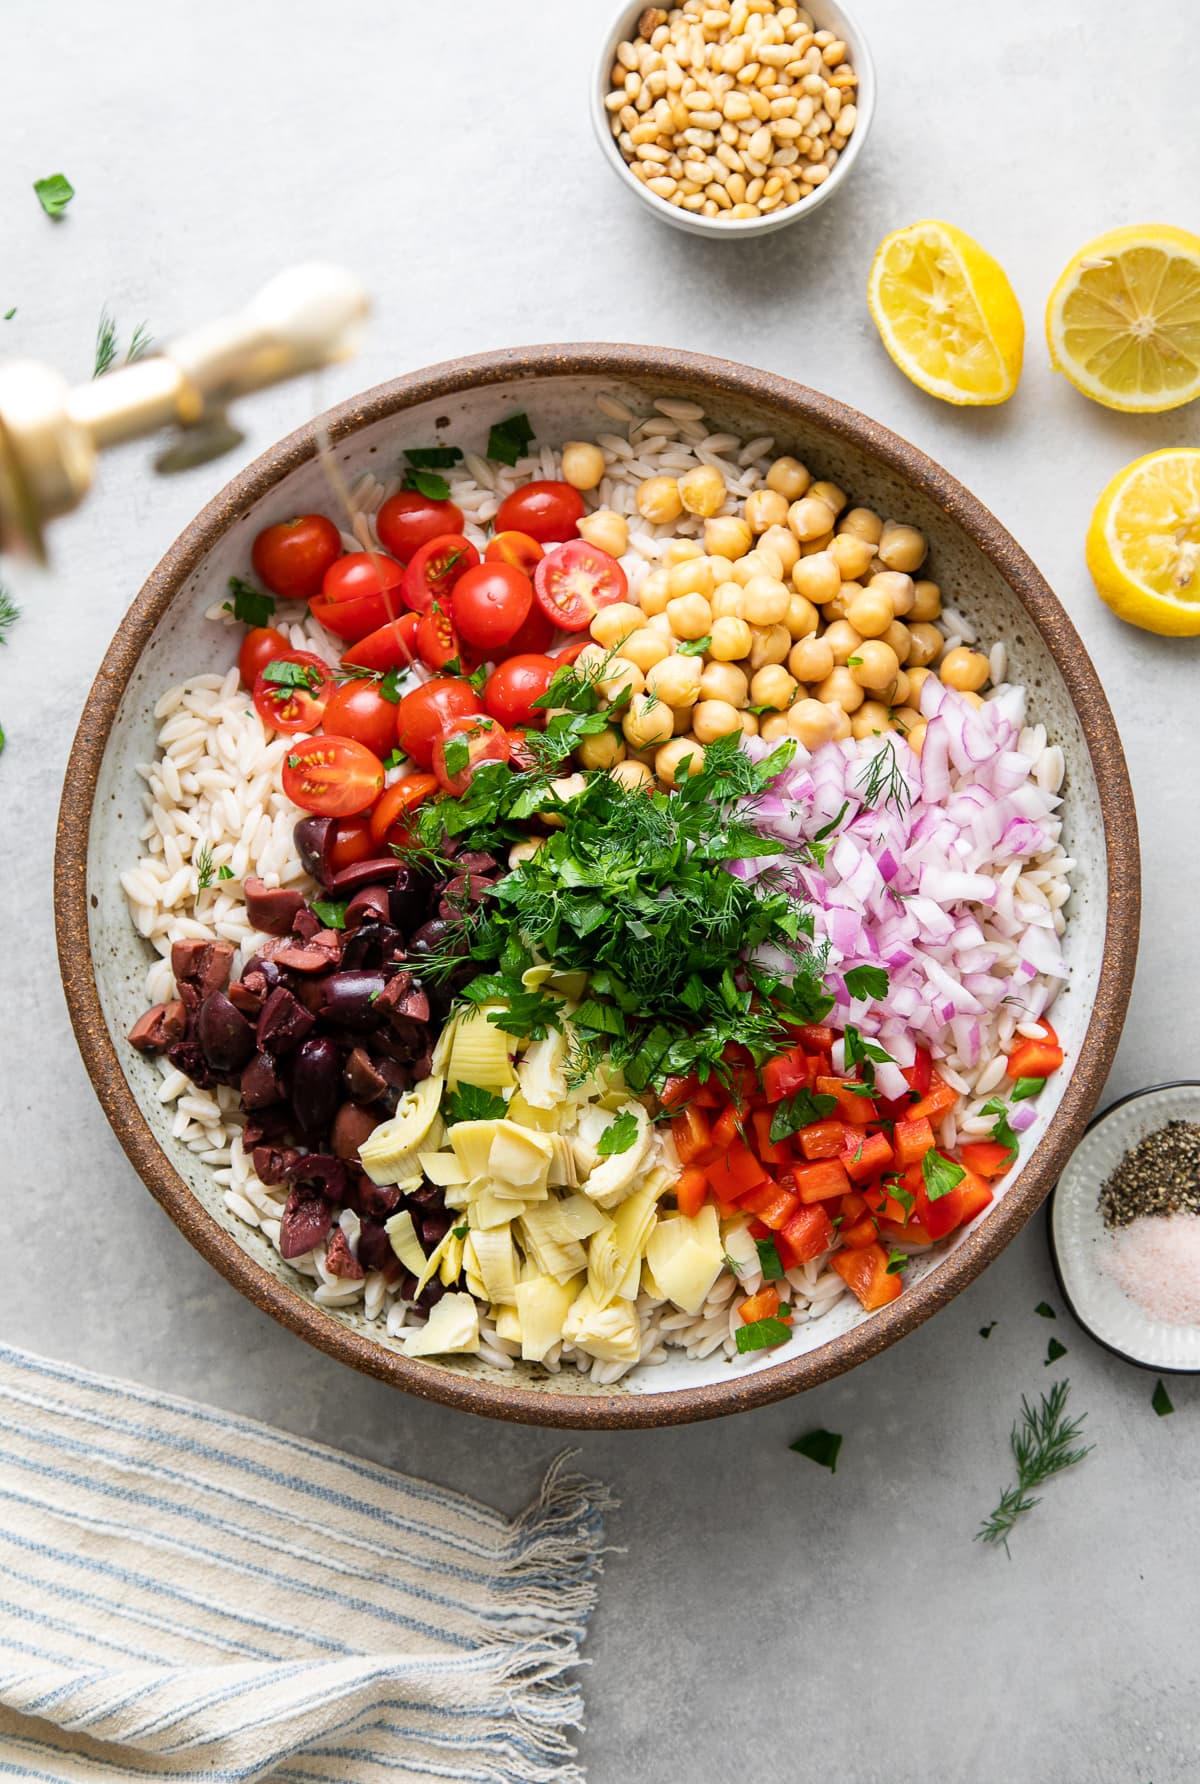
x=858, y=1110
x=772, y=1152
x=677, y=1091
x=691, y=1190
x=908, y=1232
x=936, y=1102
x=734, y=1172
x=912, y=1140
x=806, y=1234
x=866, y=1156
x=865, y=1272
x=734, y=1053
x=815, y=1037
x=882, y=1204
x=976, y=1196
x=1036, y=1059
x=727, y=1128
x=919, y=1075
x=943, y=1214
x=772, y=1204
x=987, y=1158
x=692, y=1135
x=821, y=1180
x=858, y=1233
x=823, y=1139
x=785, y=1074
x=763, y=1305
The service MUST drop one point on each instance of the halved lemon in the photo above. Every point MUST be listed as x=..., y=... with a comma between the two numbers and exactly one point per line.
x=1143, y=544
x=1123, y=322
x=947, y=313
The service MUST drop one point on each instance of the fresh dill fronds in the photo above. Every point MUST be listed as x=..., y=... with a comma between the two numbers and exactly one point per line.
x=1044, y=1442
x=884, y=782
x=10, y=613
x=141, y=341
x=204, y=868
x=106, y=343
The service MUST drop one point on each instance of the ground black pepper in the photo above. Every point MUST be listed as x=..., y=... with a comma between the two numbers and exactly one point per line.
x=1160, y=1175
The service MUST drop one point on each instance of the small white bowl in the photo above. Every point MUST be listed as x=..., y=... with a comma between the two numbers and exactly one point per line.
x=832, y=17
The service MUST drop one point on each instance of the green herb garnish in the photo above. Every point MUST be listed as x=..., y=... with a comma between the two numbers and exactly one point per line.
x=428, y=483
x=854, y=662
x=470, y=1102
x=986, y=1331
x=394, y=759
x=797, y=1111
x=1161, y=1400
x=769, y=1259
x=249, y=606
x=9, y=314
x=1043, y=1443
x=761, y=1334
x=389, y=685
x=456, y=753
x=941, y=1175
x=225, y=873
x=10, y=613
x=1045, y=1311
x=331, y=911
x=821, y=1447
x=204, y=868
x=867, y=981
x=883, y=781
x=55, y=193
x=434, y=458
x=509, y=438
x=619, y=1135
x=460, y=1232
x=1002, y=1132
x=693, y=647
x=897, y=1262
x=1026, y=1087
x=1054, y=1350
x=107, y=345
x=282, y=674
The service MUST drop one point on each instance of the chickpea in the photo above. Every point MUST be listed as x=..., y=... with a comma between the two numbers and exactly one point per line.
x=715, y=718
x=658, y=500
x=725, y=681
x=851, y=555
x=613, y=625
x=633, y=775
x=654, y=592
x=784, y=543
x=802, y=618
x=843, y=640
x=658, y=622
x=811, y=659
x=972, y=699
x=822, y=542
x=915, y=736
x=817, y=578
x=765, y=508
x=582, y=464
x=645, y=647
x=871, y=720
x=681, y=720
x=750, y=725
x=728, y=536
x=602, y=750
x=647, y=721
x=525, y=851
x=773, y=686
x=966, y=670
x=903, y=718
x=668, y=763
x=773, y=727
x=902, y=547
x=590, y=657
x=841, y=724
x=722, y=570
x=875, y=665
x=731, y=639
x=676, y=680
x=810, y=518
x=899, y=589
x=840, y=689
x=862, y=523
x=900, y=692
x=764, y=601
x=702, y=491
x=607, y=529
x=789, y=477
x=812, y=722
x=897, y=635
x=836, y=609
x=758, y=562
x=870, y=612
x=726, y=601
x=916, y=681
x=678, y=551
x=925, y=643
x=927, y=601
x=831, y=495
x=694, y=576
x=619, y=673
x=690, y=616
x=771, y=645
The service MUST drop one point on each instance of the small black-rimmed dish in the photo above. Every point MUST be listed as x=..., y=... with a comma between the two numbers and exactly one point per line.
x=1080, y=1240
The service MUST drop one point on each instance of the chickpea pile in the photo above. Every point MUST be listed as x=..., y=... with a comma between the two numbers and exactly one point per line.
x=801, y=617
x=732, y=110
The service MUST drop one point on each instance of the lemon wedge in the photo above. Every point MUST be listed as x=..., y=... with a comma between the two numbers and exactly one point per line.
x=947, y=314
x=1123, y=322
x=1143, y=544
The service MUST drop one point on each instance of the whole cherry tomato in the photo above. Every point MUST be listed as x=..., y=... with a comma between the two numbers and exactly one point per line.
x=332, y=776
x=350, y=842
x=409, y=520
x=428, y=712
x=548, y=512
x=293, y=556
x=534, y=636
x=434, y=570
x=359, y=574
x=515, y=684
x=465, y=748
x=517, y=549
x=360, y=710
x=360, y=593
x=291, y=691
x=260, y=646
x=491, y=603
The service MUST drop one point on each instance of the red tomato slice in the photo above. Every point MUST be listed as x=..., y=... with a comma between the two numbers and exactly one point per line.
x=393, y=646
x=435, y=569
x=429, y=712
x=575, y=580
x=548, y=512
x=352, y=620
x=409, y=520
x=437, y=641
x=517, y=549
x=260, y=646
x=388, y=827
x=332, y=776
x=358, y=709
x=514, y=685
x=292, y=556
x=359, y=574
x=491, y=603
x=291, y=691
x=351, y=842
x=467, y=747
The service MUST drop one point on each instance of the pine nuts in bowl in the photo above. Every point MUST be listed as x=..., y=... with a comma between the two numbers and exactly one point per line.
x=733, y=117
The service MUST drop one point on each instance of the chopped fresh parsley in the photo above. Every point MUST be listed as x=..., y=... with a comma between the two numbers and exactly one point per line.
x=331, y=911
x=821, y=1447
x=867, y=981
x=692, y=647
x=389, y=685
x=828, y=829
x=470, y=1102
x=249, y=606
x=1002, y=1132
x=895, y=1187
x=428, y=483
x=1027, y=1087
x=897, y=1262
x=619, y=1135
x=9, y=314
x=986, y=1331
x=395, y=758
x=854, y=662
x=457, y=755
x=1054, y=1350
x=863, y=1052
x=433, y=458
x=508, y=439
x=225, y=873
x=941, y=1175
x=1161, y=1400
x=797, y=1111
x=769, y=1259
x=762, y=1334
x=460, y=1232
x=55, y=193
x=282, y=674
x=1045, y=1311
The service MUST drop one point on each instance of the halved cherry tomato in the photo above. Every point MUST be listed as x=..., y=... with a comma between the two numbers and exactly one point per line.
x=534, y=637
x=332, y=776
x=351, y=620
x=393, y=646
x=429, y=712
x=357, y=709
x=548, y=512
x=435, y=568
x=575, y=580
x=491, y=603
x=514, y=685
x=409, y=520
x=468, y=747
x=293, y=556
x=260, y=646
x=360, y=593
x=517, y=549
x=437, y=642
x=388, y=825
x=350, y=842
x=568, y=653
x=291, y=691
x=522, y=757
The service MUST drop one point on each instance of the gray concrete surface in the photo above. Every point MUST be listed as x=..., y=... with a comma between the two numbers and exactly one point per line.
x=765, y=1617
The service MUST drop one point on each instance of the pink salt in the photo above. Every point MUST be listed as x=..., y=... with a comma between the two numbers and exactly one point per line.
x=1156, y=1260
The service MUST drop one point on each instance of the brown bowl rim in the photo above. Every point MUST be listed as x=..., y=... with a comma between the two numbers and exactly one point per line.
x=664, y=367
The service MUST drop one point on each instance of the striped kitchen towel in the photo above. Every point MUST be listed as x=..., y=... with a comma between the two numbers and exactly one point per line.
x=189, y=1595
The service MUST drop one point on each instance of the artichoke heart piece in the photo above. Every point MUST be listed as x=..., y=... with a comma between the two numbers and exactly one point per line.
x=542, y=1306
x=550, y=1243
x=611, y=1332
x=447, y=1251
x=523, y=1112
x=388, y=1154
x=541, y=1073
x=508, y=1324
x=489, y=1210
x=444, y=1169
x=480, y=1051
x=472, y=1143
x=520, y=1157
x=402, y=1236
x=495, y=1263
x=686, y=1256
x=612, y=1178
x=615, y=1254
x=452, y=1326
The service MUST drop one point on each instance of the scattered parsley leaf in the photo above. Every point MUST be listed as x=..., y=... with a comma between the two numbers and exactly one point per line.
x=1026, y=1087
x=1045, y=1311
x=509, y=438
x=1161, y=1400
x=897, y=1262
x=1002, y=1132
x=693, y=647
x=828, y=829
x=434, y=458
x=428, y=483
x=456, y=753
x=394, y=760
x=225, y=873
x=986, y=1331
x=854, y=662
x=797, y=1111
x=55, y=193
x=249, y=606
x=1043, y=1443
x=204, y=868
x=469, y=1102
x=762, y=1334
x=9, y=314
x=389, y=685
x=941, y=1175
x=768, y=1257
x=619, y=1135
x=821, y=1447
x=331, y=911
x=867, y=981
x=460, y=1232
x=859, y=1051
x=282, y=674
x=1054, y=1350
x=895, y=1187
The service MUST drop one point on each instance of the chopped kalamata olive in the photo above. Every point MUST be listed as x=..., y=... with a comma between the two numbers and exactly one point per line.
x=307, y=924
x=187, y=1057
x=225, y=1036
x=244, y=998
x=329, y=1175
x=273, y=909
x=476, y=861
x=460, y=894
x=320, y=953
x=379, y=1199
x=351, y=1126
x=378, y=871
x=361, y=1079
x=351, y=999
x=408, y=898
x=373, y=945
x=339, y=1259
x=272, y=1163
x=312, y=837
x=374, y=1247
x=315, y=1084
x=261, y=1084
x=405, y=996
x=433, y=1228
x=438, y=936
x=160, y=1027
x=200, y=967
x=284, y=1022
x=370, y=905
x=306, y=1222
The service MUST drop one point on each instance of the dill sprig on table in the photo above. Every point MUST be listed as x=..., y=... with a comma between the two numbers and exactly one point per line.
x=10, y=613
x=1044, y=1442
x=108, y=345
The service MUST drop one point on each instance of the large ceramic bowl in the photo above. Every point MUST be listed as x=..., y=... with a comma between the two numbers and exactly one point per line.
x=164, y=638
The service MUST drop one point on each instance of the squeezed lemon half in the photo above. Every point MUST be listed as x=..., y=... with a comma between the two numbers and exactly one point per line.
x=1123, y=321
x=947, y=313
x=1143, y=544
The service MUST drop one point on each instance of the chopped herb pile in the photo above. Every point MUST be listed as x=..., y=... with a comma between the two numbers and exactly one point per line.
x=1044, y=1442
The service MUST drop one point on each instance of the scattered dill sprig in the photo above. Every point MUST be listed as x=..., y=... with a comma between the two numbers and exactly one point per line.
x=1044, y=1442
x=883, y=781
x=10, y=613
x=140, y=343
x=204, y=868
x=108, y=345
